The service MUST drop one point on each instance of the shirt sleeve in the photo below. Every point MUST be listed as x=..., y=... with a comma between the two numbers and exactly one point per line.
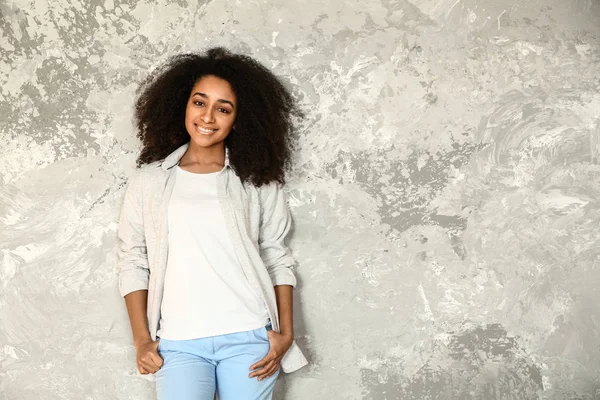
x=134, y=271
x=275, y=224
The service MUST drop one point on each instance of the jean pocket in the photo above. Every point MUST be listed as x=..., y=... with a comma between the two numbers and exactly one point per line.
x=261, y=334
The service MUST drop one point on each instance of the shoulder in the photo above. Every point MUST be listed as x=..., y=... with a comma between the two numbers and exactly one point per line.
x=148, y=171
x=151, y=168
x=273, y=195
x=270, y=189
x=263, y=191
x=144, y=176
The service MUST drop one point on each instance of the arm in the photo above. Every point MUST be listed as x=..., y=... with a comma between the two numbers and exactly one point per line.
x=136, y=303
x=284, y=294
x=276, y=221
x=275, y=224
x=134, y=273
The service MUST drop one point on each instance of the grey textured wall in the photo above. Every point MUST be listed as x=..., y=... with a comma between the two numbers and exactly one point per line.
x=444, y=192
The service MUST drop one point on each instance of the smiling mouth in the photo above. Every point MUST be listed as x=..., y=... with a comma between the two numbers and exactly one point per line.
x=205, y=131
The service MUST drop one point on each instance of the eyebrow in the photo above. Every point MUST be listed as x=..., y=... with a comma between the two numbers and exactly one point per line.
x=220, y=100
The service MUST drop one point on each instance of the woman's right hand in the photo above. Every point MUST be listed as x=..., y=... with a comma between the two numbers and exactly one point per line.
x=147, y=358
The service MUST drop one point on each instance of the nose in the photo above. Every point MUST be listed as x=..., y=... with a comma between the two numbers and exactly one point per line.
x=208, y=116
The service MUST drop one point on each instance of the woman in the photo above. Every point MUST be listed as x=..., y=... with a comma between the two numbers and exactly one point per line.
x=203, y=267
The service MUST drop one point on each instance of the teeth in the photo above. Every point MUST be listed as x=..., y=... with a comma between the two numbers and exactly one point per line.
x=206, y=130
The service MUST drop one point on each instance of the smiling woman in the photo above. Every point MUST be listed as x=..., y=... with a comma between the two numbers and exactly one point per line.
x=259, y=140
x=203, y=265
x=210, y=114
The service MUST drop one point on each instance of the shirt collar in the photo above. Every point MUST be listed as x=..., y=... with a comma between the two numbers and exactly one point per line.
x=173, y=159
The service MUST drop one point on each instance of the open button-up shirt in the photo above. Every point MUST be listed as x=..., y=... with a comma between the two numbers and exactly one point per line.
x=257, y=218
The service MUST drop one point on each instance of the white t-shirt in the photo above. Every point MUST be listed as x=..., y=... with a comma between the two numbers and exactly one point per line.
x=206, y=292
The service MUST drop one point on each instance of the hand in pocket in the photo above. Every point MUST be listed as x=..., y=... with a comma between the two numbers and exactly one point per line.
x=279, y=345
x=147, y=358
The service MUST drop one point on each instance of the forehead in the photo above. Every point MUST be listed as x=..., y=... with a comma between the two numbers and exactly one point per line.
x=213, y=86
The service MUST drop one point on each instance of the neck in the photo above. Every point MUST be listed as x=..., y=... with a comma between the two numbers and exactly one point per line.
x=205, y=156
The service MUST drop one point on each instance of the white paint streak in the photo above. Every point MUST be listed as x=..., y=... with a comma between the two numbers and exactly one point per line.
x=452, y=7
x=498, y=18
x=273, y=37
x=428, y=313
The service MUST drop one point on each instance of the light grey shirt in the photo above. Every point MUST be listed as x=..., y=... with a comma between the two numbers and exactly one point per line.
x=257, y=219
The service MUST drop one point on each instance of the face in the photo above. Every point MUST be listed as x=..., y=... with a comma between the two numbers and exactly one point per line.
x=210, y=112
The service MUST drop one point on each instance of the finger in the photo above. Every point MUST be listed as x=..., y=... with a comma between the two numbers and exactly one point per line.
x=262, y=370
x=262, y=362
x=149, y=364
x=256, y=373
x=268, y=374
x=151, y=359
x=149, y=368
x=262, y=373
x=142, y=370
x=156, y=359
x=274, y=371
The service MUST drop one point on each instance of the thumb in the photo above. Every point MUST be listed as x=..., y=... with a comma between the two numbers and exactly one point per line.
x=156, y=358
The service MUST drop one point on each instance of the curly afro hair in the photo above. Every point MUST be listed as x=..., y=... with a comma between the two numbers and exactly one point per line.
x=260, y=145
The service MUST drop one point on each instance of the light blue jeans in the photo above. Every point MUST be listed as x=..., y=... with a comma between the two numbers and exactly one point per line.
x=194, y=369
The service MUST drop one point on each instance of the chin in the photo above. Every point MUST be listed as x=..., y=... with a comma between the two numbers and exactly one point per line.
x=203, y=141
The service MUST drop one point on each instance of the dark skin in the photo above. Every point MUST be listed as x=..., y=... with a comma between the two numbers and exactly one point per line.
x=279, y=342
x=149, y=361
x=210, y=116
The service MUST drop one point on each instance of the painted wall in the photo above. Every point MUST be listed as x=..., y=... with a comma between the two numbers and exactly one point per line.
x=445, y=191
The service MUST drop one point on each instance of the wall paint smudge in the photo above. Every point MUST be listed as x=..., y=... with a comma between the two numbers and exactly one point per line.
x=444, y=191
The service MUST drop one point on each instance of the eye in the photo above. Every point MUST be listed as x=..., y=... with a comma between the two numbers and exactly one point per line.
x=224, y=110
x=198, y=103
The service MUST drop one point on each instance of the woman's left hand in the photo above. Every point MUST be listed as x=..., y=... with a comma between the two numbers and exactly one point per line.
x=270, y=364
